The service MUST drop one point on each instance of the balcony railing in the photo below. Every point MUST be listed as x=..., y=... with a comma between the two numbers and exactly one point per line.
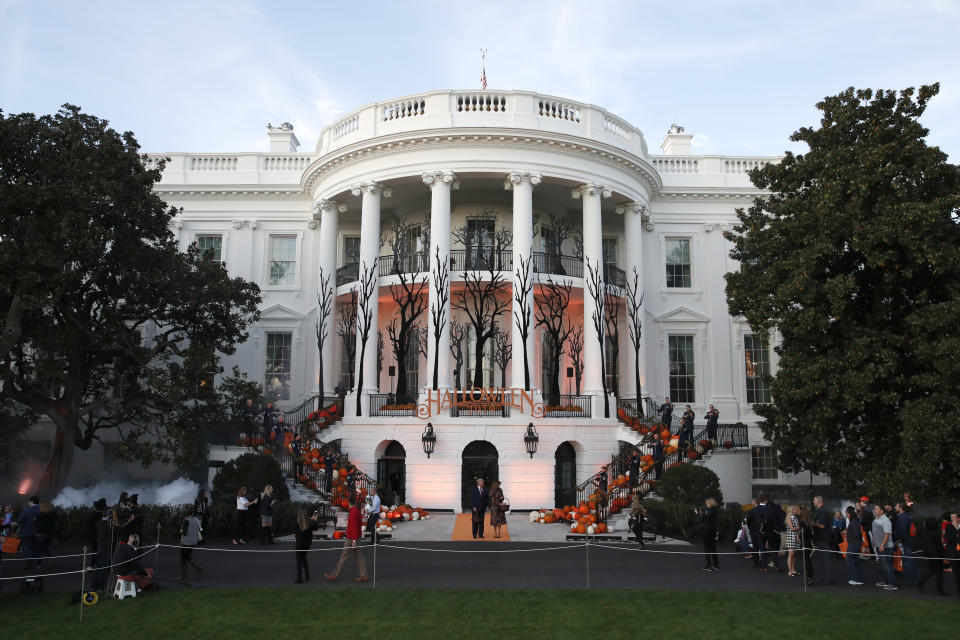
x=570, y=407
x=418, y=262
x=557, y=264
x=612, y=274
x=348, y=273
x=481, y=259
x=383, y=404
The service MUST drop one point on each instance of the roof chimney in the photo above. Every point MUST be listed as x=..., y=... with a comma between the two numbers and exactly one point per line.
x=282, y=139
x=676, y=142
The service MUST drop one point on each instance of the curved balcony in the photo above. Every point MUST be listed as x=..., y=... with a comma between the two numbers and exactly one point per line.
x=557, y=264
x=418, y=262
x=348, y=273
x=448, y=109
x=481, y=259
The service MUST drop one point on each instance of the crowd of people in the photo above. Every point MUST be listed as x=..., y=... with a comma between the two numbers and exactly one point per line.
x=812, y=540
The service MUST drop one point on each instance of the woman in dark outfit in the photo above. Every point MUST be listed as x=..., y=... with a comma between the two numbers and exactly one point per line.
x=709, y=527
x=304, y=535
x=498, y=517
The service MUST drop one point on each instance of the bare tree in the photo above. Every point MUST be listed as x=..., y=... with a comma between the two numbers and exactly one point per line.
x=368, y=289
x=439, y=310
x=598, y=292
x=522, y=310
x=612, y=308
x=486, y=244
x=635, y=324
x=458, y=333
x=484, y=294
x=552, y=313
x=502, y=353
x=576, y=354
x=423, y=340
x=379, y=356
x=346, y=331
x=324, y=317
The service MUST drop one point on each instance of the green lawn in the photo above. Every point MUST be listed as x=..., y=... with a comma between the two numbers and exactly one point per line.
x=302, y=613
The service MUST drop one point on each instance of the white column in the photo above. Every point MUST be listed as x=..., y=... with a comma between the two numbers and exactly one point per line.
x=593, y=256
x=328, y=213
x=440, y=183
x=522, y=184
x=634, y=214
x=369, y=252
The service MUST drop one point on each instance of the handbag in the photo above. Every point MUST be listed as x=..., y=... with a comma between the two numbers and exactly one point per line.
x=504, y=506
x=11, y=544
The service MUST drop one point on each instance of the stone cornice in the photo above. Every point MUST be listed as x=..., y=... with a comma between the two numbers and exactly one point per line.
x=710, y=194
x=229, y=193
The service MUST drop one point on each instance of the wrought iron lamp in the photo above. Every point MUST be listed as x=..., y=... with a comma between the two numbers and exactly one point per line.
x=429, y=439
x=531, y=439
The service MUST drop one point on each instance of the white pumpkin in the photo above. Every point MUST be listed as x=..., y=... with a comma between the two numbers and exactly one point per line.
x=383, y=515
x=415, y=516
x=573, y=527
x=406, y=516
x=426, y=517
x=611, y=526
x=674, y=442
x=534, y=516
x=542, y=521
x=393, y=508
x=698, y=448
x=590, y=530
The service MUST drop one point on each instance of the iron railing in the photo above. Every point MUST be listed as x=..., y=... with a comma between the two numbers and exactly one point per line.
x=481, y=259
x=380, y=404
x=348, y=273
x=417, y=262
x=557, y=264
x=612, y=274
x=571, y=407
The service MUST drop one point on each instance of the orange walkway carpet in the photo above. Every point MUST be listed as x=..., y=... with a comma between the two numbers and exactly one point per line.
x=463, y=530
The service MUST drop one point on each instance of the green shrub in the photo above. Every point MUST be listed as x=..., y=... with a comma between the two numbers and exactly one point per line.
x=689, y=484
x=251, y=470
x=678, y=520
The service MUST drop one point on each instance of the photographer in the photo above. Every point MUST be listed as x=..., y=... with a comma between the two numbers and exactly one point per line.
x=637, y=515
x=127, y=559
x=709, y=531
x=304, y=536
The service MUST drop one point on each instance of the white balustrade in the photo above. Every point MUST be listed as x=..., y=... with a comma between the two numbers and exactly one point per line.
x=403, y=109
x=348, y=125
x=676, y=165
x=481, y=102
x=285, y=163
x=742, y=165
x=559, y=110
x=213, y=163
x=617, y=127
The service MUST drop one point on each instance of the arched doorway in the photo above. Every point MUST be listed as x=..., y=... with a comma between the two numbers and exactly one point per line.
x=480, y=460
x=565, y=476
x=392, y=474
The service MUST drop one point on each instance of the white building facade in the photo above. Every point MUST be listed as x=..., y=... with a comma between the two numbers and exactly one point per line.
x=455, y=166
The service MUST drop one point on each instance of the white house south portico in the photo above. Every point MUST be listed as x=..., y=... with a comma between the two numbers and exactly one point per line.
x=471, y=201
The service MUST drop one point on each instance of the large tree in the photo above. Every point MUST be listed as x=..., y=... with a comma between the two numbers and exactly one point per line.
x=366, y=299
x=410, y=299
x=325, y=302
x=553, y=314
x=101, y=308
x=634, y=309
x=853, y=264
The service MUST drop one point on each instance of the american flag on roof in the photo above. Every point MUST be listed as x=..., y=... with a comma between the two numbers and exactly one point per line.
x=483, y=70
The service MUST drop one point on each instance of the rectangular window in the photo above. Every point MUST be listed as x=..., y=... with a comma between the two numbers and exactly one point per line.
x=351, y=250
x=283, y=260
x=610, y=251
x=610, y=362
x=346, y=367
x=486, y=365
x=413, y=364
x=277, y=369
x=764, y=463
x=479, y=247
x=548, y=347
x=213, y=244
x=679, y=272
x=682, y=376
x=413, y=251
x=757, y=360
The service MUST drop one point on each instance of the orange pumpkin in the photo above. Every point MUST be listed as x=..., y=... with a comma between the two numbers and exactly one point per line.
x=581, y=528
x=584, y=509
x=602, y=527
x=593, y=505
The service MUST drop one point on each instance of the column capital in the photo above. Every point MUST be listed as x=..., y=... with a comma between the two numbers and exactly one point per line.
x=591, y=189
x=635, y=207
x=433, y=178
x=370, y=187
x=516, y=177
x=328, y=205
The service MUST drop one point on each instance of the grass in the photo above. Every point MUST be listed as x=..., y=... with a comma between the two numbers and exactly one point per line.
x=570, y=613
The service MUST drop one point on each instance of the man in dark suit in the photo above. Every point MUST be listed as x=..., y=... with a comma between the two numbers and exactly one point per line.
x=479, y=501
x=822, y=528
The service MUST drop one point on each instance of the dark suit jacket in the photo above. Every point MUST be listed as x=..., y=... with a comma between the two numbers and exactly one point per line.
x=479, y=500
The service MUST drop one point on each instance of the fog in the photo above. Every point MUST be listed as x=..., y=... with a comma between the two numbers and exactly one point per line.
x=180, y=491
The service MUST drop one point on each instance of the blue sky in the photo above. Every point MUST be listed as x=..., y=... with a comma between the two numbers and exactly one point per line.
x=208, y=76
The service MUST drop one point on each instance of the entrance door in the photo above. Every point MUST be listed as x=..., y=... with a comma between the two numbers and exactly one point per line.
x=392, y=474
x=480, y=460
x=565, y=476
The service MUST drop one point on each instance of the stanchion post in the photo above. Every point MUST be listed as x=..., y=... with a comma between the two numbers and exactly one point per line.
x=83, y=580
x=803, y=561
x=374, y=561
x=156, y=553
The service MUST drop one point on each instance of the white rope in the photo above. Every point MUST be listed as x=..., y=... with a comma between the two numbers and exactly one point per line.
x=198, y=548
x=72, y=555
x=568, y=546
x=740, y=553
x=85, y=569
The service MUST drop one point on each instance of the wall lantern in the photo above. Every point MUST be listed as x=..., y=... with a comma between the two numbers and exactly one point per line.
x=429, y=439
x=531, y=439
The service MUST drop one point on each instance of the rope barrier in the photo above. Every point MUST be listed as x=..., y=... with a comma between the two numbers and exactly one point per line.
x=198, y=548
x=25, y=559
x=740, y=553
x=568, y=546
x=84, y=570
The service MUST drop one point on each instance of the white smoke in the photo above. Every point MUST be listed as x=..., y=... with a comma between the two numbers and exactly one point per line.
x=180, y=491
